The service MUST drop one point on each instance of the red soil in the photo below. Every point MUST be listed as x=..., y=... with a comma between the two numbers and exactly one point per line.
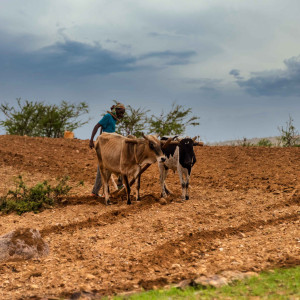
x=243, y=214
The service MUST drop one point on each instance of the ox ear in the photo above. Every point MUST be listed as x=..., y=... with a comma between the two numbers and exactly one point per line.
x=131, y=141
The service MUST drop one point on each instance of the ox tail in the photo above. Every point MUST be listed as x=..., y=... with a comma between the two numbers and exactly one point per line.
x=97, y=148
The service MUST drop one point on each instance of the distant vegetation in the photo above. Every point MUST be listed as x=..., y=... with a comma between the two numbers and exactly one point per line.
x=264, y=143
x=289, y=136
x=42, y=195
x=40, y=119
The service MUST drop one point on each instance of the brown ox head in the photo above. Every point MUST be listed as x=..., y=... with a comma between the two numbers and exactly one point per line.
x=155, y=146
x=148, y=149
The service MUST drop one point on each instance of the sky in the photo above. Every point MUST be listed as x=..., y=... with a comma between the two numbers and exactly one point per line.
x=236, y=63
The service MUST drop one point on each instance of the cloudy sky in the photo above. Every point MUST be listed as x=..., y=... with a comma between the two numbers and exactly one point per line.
x=235, y=63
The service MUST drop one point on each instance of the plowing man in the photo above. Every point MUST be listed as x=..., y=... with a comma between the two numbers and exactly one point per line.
x=106, y=124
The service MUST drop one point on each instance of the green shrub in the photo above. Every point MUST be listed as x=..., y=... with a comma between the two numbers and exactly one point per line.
x=40, y=119
x=264, y=143
x=40, y=196
x=244, y=143
x=289, y=136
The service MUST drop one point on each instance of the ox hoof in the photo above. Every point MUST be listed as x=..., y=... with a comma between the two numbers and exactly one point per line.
x=187, y=197
x=108, y=202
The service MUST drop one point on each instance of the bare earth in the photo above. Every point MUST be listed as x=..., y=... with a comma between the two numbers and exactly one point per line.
x=243, y=215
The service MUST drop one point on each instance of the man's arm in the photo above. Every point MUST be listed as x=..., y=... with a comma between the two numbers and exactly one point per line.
x=94, y=133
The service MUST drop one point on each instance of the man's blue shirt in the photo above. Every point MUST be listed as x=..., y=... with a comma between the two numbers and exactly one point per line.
x=108, y=123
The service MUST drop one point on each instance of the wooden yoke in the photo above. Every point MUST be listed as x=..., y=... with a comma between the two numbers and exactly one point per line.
x=131, y=141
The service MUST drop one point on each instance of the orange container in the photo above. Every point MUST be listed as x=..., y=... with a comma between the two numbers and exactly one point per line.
x=69, y=135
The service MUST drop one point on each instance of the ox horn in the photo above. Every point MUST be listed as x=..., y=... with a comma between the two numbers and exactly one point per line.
x=194, y=139
x=143, y=135
x=168, y=141
x=198, y=143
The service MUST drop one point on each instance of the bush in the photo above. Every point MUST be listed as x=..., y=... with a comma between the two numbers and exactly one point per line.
x=24, y=199
x=134, y=122
x=244, y=143
x=39, y=119
x=264, y=143
x=289, y=136
x=172, y=123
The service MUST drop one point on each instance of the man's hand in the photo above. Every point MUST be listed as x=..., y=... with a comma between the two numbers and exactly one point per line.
x=91, y=144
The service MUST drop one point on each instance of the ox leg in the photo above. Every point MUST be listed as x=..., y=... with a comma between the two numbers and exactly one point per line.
x=112, y=180
x=182, y=182
x=168, y=191
x=127, y=186
x=187, y=182
x=138, y=185
x=105, y=174
x=163, y=171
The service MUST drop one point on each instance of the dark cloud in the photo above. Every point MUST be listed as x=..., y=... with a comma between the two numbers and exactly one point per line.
x=203, y=81
x=207, y=87
x=67, y=58
x=171, y=57
x=73, y=59
x=285, y=83
x=236, y=74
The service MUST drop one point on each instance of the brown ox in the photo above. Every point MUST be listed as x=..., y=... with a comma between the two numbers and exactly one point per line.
x=120, y=155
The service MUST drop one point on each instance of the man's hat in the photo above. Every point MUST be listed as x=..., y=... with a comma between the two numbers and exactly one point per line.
x=119, y=105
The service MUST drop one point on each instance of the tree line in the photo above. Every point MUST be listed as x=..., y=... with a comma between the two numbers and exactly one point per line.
x=34, y=118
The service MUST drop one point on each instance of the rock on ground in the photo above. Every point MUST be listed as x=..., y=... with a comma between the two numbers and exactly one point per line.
x=22, y=244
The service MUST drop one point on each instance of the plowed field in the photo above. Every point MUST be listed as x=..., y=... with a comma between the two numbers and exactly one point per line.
x=243, y=214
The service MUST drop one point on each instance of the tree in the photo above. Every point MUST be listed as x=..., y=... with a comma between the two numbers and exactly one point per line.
x=23, y=120
x=134, y=121
x=172, y=123
x=289, y=136
x=39, y=119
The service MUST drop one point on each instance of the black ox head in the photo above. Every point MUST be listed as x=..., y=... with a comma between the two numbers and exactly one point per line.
x=187, y=156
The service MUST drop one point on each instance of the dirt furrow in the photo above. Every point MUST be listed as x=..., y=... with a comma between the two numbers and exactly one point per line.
x=203, y=240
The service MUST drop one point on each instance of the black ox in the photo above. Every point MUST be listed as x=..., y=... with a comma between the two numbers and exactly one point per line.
x=180, y=156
